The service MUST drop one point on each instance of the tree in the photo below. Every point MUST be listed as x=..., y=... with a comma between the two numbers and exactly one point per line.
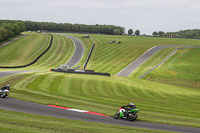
x=130, y=31
x=3, y=33
x=17, y=29
x=1, y=38
x=21, y=26
x=161, y=33
x=155, y=33
x=137, y=32
x=10, y=28
x=117, y=32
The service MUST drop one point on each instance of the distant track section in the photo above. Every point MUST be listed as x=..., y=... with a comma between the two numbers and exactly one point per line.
x=78, y=53
x=9, y=73
x=139, y=61
x=166, y=59
x=34, y=61
x=4, y=44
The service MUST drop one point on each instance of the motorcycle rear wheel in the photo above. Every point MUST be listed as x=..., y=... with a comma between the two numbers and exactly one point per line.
x=132, y=116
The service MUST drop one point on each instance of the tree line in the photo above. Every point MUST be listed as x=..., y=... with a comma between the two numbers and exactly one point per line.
x=130, y=32
x=68, y=27
x=193, y=34
x=8, y=30
x=81, y=28
x=190, y=34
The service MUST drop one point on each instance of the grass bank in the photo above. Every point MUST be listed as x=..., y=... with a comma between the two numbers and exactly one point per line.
x=25, y=51
x=112, y=58
x=158, y=102
x=182, y=69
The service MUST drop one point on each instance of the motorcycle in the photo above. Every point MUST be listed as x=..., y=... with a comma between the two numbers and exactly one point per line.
x=4, y=92
x=129, y=114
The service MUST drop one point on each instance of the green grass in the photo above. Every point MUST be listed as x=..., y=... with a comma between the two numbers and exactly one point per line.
x=152, y=62
x=9, y=39
x=112, y=58
x=23, y=123
x=162, y=103
x=106, y=57
x=60, y=53
x=24, y=50
x=182, y=69
x=158, y=102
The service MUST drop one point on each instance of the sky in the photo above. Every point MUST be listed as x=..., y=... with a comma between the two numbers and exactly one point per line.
x=144, y=15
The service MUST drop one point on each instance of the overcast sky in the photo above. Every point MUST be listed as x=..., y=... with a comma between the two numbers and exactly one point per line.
x=145, y=15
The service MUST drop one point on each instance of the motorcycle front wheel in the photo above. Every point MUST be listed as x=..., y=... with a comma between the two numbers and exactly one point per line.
x=2, y=95
x=116, y=116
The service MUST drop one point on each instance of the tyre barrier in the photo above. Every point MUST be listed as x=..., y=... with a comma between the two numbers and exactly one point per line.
x=34, y=61
x=167, y=58
x=90, y=72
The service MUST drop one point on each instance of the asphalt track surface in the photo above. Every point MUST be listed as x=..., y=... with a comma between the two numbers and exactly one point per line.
x=33, y=108
x=8, y=73
x=78, y=53
x=139, y=61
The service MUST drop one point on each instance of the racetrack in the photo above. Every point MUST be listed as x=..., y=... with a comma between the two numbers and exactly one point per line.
x=78, y=53
x=139, y=61
x=33, y=108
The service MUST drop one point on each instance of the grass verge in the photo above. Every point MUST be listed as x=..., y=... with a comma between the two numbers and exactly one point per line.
x=23, y=123
x=182, y=69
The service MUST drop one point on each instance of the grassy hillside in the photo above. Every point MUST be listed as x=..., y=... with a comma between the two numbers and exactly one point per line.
x=158, y=102
x=60, y=53
x=112, y=58
x=9, y=39
x=24, y=50
x=182, y=69
x=22, y=123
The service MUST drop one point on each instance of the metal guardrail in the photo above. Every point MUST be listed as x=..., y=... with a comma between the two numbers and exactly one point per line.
x=166, y=59
x=88, y=58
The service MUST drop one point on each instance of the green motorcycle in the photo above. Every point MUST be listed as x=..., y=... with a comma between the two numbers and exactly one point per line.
x=129, y=114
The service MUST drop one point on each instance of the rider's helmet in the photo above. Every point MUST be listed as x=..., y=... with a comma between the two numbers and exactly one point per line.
x=8, y=87
x=132, y=104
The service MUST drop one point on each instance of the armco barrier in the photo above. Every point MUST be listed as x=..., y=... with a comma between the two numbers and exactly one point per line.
x=91, y=72
x=33, y=60
x=88, y=58
x=166, y=59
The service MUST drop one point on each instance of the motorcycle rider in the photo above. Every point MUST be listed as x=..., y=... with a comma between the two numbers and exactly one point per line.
x=6, y=87
x=126, y=108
